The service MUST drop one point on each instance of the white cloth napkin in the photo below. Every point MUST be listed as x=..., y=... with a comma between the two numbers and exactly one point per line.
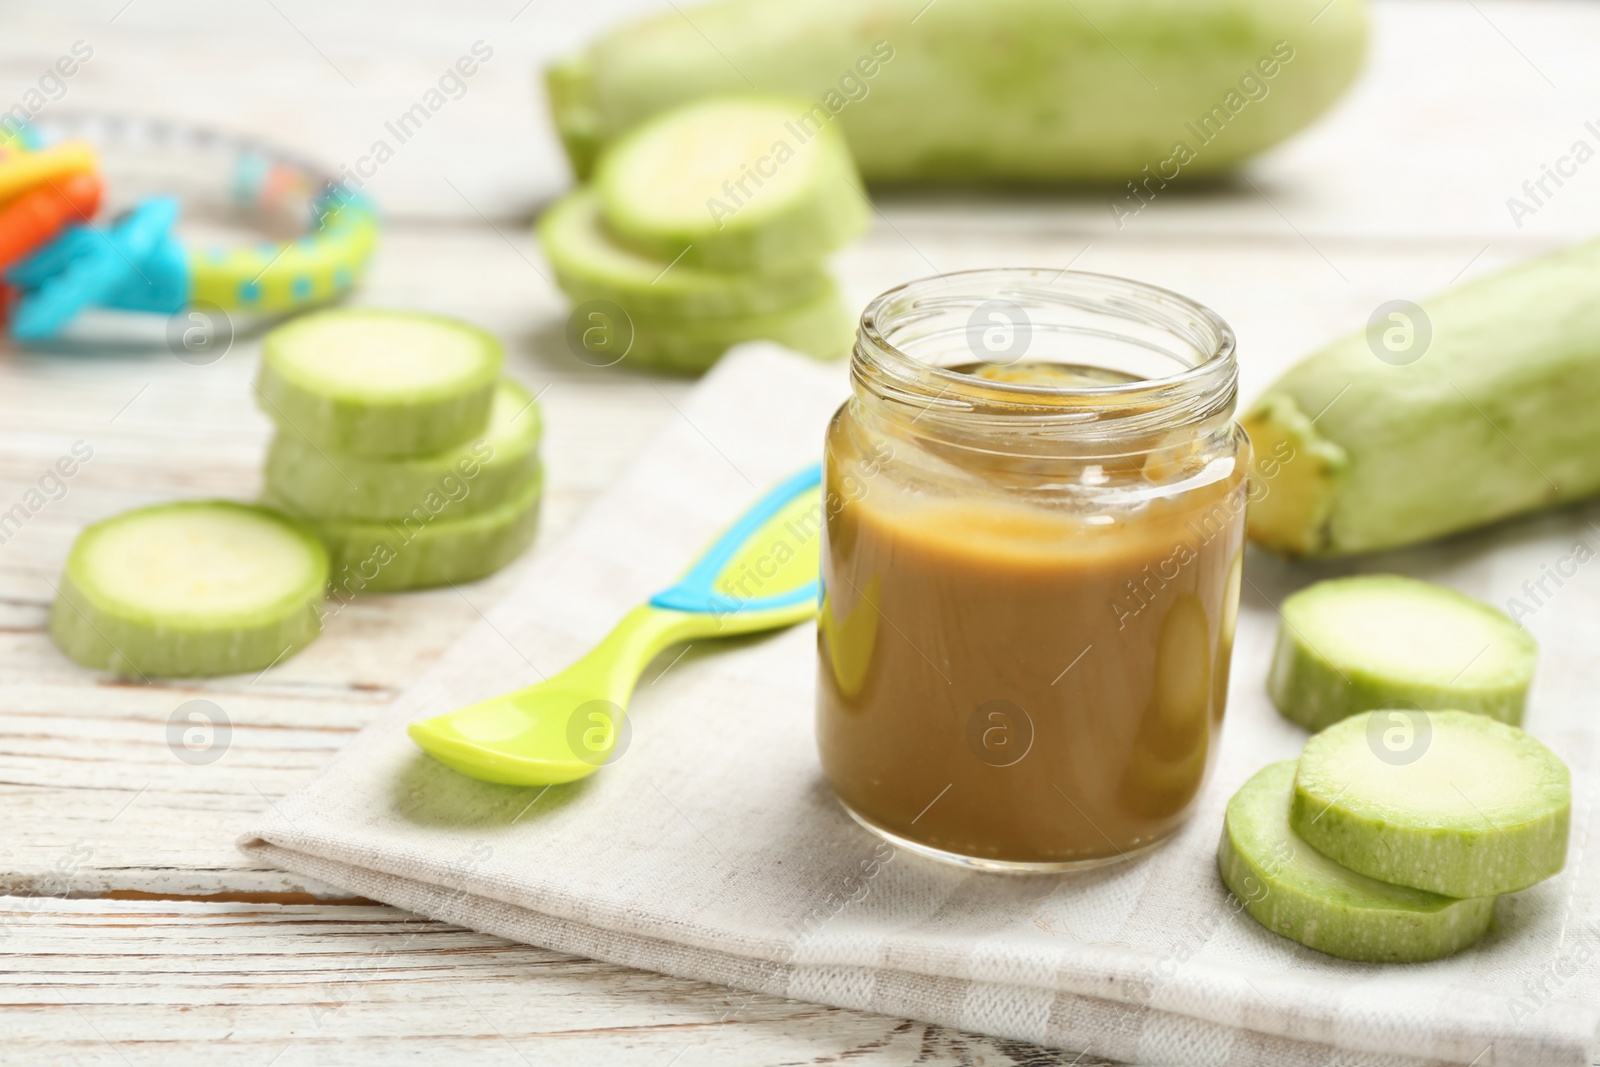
x=713, y=850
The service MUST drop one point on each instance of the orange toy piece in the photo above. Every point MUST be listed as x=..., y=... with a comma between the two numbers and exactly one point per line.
x=37, y=215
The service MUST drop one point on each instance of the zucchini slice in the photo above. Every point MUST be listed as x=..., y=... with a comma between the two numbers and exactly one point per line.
x=733, y=182
x=1448, y=801
x=379, y=383
x=188, y=589
x=1293, y=890
x=473, y=478
x=591, y=265
x=1350, y=645
x=428, y=548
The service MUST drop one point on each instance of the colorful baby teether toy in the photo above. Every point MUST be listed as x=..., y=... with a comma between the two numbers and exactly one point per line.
x=49, y=193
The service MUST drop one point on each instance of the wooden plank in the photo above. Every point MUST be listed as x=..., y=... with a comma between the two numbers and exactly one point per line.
x=137, y=983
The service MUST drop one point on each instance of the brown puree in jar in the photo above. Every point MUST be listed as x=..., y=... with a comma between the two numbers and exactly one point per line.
x=1008, y=679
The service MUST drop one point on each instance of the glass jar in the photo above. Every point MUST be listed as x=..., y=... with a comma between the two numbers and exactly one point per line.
x=1034, y=546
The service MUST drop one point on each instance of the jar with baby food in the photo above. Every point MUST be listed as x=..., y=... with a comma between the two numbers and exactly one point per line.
x=1031, y=574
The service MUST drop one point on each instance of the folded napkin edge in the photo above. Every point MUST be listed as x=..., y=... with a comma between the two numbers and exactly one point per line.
x=1579, y=1039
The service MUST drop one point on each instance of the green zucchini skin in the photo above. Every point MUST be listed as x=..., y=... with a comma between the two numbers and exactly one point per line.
x=131, y=647
x=821, y=327
x=984, y=90
x=1294, y=891
x=590, y=265
x=1495, y=419
x=1309, y=690
x=428, y=549
x=474, y=478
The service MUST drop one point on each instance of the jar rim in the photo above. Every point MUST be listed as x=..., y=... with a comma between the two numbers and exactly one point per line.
x=1219, y=352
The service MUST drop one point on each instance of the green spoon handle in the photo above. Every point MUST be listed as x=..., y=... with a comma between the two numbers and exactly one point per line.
x=760, y=575
x=612, y=668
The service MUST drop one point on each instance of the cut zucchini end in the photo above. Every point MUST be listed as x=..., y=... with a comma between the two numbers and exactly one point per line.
x=670, y=166
x=1294, y=474
x=1298, y=893
x=370, y=382
x=203, y=562
x=193, y=588
x=1447, y=801
x=374, y=356
x=733, y=182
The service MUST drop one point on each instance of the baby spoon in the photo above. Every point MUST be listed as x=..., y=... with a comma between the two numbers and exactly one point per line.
x=760, y=575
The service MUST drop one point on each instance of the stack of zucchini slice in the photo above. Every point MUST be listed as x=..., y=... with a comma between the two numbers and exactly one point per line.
x=1391, y=836
x=400, y=443
x=402, y=459
x=705, y=227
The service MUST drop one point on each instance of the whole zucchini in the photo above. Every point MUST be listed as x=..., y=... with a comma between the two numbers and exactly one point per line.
x=1386, y=438
x=1010, y=90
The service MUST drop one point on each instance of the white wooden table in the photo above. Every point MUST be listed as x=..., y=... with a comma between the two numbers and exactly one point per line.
x=133, y=933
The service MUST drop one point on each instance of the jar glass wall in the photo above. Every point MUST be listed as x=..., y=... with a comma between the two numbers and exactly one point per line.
x=1032, y=566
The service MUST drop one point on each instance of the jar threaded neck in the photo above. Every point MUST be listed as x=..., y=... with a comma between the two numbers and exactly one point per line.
x=918, y=345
